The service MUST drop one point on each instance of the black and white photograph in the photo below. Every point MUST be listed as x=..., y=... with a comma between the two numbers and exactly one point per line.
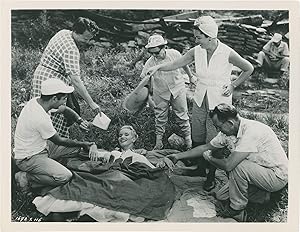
x=146, y=116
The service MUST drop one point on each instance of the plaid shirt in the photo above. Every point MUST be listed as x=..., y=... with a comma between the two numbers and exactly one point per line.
x=59, y=60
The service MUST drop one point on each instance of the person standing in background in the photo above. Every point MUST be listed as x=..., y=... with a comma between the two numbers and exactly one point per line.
x=168, y=89
x=60, y=60
x=213, y=61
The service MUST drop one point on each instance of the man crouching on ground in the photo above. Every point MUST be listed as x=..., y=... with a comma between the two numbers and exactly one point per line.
x=257, y=162
x=36, y=142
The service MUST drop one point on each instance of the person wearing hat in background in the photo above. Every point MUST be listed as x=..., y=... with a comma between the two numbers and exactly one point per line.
x=213, y=62
x=275, y=55
x=60, y=60
x=36, y=142
x=141, y=40
x=168, y=89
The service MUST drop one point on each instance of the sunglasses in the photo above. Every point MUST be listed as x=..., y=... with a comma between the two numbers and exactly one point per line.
x=155, y=53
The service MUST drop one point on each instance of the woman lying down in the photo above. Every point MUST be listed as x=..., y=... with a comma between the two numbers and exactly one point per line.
x=112, y=186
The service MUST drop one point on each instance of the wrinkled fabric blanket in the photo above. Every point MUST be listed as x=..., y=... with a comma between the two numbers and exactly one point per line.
x=133, y=188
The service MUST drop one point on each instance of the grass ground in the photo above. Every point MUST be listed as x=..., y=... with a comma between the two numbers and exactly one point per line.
x=108, y=82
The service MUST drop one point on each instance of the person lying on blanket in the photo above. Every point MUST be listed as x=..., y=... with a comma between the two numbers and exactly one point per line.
x=126, y=184
x=127, y=137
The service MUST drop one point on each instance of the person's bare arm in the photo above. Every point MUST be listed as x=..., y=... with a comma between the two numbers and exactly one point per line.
x=58, y=140
x=244, y=65
x=229, y=163
x=178, y=63
x=81, y=89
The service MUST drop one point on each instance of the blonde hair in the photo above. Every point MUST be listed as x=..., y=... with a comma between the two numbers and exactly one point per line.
x=130, y=128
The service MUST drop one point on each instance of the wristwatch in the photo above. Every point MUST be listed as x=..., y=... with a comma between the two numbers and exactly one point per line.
x=79, y=120
x=233, y=85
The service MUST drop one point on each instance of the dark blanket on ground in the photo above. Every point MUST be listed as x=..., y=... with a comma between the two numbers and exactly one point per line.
x=121, y=186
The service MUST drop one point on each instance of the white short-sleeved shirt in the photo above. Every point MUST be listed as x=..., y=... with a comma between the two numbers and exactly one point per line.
x=135, y=157
x=166, y=83
x=262, y=143
x=282, y=49
x=33, y=128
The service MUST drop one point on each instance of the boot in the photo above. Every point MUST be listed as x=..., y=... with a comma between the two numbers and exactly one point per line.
x=188, y=142
x=159, y=143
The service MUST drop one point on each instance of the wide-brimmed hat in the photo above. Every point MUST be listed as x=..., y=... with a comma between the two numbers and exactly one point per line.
x=276, y=38
x=136, y=100
x=207, y=25
x=155, y=41
x=53, y=86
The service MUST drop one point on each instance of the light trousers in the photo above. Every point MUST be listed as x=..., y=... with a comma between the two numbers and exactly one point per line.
x=249, y=181
x=281, y=64
x=43, y=170
x=179, y=107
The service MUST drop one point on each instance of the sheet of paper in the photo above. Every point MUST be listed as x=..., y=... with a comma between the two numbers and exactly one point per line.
x=101, y=121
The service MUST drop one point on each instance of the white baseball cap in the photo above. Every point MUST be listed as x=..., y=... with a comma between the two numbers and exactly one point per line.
x=53, y=86
x=207, y=25
x=155, y=41
x=276, y=38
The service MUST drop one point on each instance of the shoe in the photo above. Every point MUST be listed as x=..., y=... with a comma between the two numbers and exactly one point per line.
x=238, y=215
x=22, y=182
x=209, y=185
x=188, y=142
x=159, y=143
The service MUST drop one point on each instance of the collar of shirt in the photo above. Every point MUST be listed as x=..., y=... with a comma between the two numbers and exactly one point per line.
x=241, y=128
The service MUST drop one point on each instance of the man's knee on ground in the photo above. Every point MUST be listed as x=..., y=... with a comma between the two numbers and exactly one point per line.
x=64, y=177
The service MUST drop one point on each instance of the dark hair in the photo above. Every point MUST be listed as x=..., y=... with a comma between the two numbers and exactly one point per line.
x=83, y=24
x=48, y=97
x=224, y=112
x=197, y=28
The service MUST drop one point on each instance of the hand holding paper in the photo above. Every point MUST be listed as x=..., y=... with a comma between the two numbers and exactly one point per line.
x=101, y=121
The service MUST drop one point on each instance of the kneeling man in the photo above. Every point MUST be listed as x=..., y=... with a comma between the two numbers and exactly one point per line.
x=257, y=159
x=36, y=142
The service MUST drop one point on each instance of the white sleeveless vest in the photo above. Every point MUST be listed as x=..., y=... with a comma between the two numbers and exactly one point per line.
x=213, y=75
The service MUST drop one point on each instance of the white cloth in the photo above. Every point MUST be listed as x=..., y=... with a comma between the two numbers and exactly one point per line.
x=48, y=204
x=213, y=75
x=135, y=157
x=33, y=128
x=262, y=143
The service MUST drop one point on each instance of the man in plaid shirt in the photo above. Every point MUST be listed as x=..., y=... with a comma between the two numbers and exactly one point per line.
x=61, y=60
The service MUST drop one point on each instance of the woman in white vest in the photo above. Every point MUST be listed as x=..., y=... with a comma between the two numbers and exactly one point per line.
x=213, y=61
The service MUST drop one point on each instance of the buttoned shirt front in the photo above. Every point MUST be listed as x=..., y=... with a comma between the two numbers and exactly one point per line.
x=260, y=141
x=166, y=83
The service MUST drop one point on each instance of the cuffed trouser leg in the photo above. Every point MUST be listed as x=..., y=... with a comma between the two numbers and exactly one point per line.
x=161, y=111
x=249, y=173
x=180, y=108
x=284, y=64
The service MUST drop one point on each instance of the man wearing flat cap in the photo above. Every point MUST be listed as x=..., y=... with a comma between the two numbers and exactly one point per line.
x=275, y=55
x=214, y=62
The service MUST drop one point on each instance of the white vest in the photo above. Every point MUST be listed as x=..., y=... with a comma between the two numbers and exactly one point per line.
x=213, y=75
